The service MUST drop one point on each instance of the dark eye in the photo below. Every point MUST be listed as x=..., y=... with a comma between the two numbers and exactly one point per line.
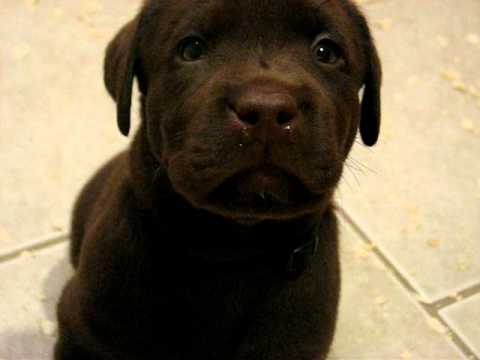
x=192, y=49
x=327, y=52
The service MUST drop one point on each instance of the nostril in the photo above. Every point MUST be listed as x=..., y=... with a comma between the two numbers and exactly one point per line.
x=250, y=117
x=284, y=117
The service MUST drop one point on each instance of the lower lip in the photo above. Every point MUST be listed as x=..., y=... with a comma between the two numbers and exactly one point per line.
x=261, y=194
x=262, y=179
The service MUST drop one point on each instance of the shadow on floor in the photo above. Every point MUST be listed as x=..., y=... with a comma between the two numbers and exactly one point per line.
x=53, y=286
x=33, y=343
x=28, y=345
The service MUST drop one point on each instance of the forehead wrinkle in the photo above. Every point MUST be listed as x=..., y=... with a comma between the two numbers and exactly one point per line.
x=308, y=18
x=320, y=15
x=208, y=17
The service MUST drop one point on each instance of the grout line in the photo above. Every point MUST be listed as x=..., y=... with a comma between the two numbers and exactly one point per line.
x=431, y=310
x=459, y=296
x=38, y=245
x=374, y=249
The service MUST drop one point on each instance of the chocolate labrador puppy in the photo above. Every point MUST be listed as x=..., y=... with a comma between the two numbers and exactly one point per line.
x=214, y=236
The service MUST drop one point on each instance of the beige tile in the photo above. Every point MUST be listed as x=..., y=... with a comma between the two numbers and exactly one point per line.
x=378, y=318
x=30, y=286
x=417, y=194
x=57, y=121
x=464, y=318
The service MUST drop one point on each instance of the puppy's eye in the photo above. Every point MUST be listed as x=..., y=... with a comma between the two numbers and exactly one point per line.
x=327, y=52
x=192, y=49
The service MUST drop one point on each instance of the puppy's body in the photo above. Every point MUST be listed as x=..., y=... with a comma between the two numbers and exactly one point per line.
x=214, y=236
x=152, y=284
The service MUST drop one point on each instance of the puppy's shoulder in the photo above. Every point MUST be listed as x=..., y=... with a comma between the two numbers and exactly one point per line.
x=100, y=191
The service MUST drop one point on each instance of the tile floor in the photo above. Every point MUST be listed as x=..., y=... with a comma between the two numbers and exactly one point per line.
x=410, y=207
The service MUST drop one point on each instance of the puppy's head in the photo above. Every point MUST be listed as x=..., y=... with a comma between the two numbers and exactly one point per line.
x=251, y=106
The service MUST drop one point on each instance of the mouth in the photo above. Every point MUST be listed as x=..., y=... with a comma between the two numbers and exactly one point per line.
x=262, y=193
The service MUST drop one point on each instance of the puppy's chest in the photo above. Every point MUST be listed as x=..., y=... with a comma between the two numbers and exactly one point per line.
x=207, y=313
x=221, y=300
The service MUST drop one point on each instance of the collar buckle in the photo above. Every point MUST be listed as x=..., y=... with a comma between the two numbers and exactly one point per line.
x=300, y=259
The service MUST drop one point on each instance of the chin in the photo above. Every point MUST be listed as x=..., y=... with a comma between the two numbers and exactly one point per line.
x=256, y=195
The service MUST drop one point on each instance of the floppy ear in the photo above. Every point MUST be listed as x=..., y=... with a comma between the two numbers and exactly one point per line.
x=119, y=70
x=371, y=102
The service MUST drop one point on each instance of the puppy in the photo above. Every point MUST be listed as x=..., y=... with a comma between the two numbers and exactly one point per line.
x=214, y=236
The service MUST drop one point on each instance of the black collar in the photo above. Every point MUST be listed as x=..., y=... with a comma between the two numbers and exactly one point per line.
x=288, y=263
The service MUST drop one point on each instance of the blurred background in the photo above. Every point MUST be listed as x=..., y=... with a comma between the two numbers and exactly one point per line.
x=409, y=207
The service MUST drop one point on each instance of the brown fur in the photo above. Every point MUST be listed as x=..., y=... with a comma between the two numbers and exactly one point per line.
x=182, y=243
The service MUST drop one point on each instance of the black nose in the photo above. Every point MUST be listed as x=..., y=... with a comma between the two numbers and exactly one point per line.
x=268, y=113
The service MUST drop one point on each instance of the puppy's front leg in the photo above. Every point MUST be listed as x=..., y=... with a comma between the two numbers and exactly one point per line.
x=64, y=350
x=70, y=328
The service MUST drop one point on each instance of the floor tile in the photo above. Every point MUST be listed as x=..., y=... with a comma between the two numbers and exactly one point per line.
x=378, y=319
x=464, y=318
x=417, y=194
x=57, y=121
